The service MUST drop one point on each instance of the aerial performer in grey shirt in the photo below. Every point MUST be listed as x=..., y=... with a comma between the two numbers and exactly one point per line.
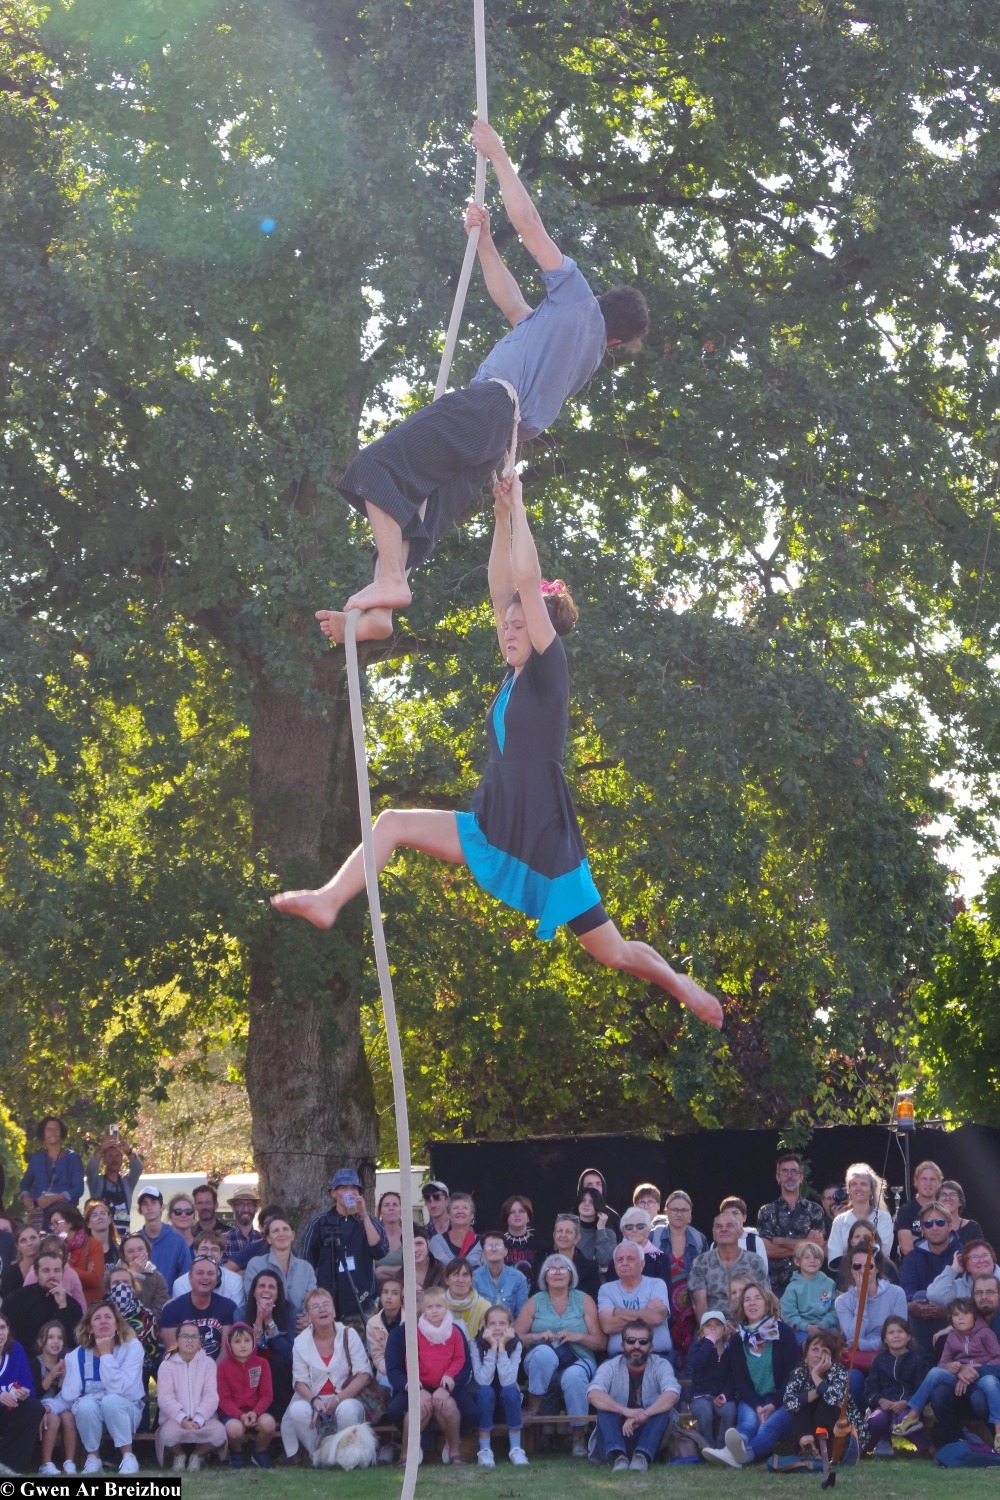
x=444, y=453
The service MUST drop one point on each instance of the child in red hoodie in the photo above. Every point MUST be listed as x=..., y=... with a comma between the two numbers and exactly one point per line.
x=245, y=1394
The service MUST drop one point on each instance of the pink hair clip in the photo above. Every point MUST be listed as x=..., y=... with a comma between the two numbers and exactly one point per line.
x=555, y=587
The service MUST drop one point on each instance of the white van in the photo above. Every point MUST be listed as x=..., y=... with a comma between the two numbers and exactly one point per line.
x=386, y=1181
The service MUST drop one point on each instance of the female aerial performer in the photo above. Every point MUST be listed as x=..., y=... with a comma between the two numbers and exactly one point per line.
x=521, y=839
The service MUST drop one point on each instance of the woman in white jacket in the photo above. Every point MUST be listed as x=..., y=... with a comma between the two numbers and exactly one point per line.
x=329, y=1371
x=103, y=1385
x=187, y=1398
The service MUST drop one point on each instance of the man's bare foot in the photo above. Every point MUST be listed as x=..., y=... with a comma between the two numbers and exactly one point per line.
x=384, y=592
x=697, y=1000
x=316, y=906
x=373, y=624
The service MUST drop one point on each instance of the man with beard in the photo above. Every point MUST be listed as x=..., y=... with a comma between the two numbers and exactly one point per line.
x=951, y=1410
x=634, y=1395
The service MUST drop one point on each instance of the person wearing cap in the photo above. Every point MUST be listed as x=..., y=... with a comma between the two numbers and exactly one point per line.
x=436, y=1197
x=203, y=1305
x=634, y=1395
x=244, y=1204
x=167, y=1250
x=713, y=1397
x=342, y=1245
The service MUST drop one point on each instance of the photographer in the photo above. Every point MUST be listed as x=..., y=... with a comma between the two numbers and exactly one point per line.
x=342, y=1246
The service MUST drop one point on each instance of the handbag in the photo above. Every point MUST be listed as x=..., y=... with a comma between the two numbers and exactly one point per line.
x=326, y=1421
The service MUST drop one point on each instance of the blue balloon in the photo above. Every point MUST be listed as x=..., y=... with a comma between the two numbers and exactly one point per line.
x=268, y=225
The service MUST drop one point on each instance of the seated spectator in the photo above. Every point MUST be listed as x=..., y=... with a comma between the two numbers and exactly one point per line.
x=634, y=1394
x=54, y=1175
x=188, y=1403
x=559, y=1329
x=464, y=1303
x=48, y=1368
x=245, y=1397
x=56, y=1245
x=297, y=1276
x=526, y=1249
x=83, y=1253
x=930, y=1256
x=460, y=1238
x=243, y=1204
x=590, y=1177
x=927, y=1178
x=379, y=1327
x=101, y=1226
x=181, y=1216
x=110, y=1186
x=206, y=1213
x=436, y=1197
x=447, y=1392
x=274, y=1329
x=808, y=1301
x=21, y=1412
x=713, y=1395
x=597, y=1239
x=882, y=1300
x=865, y=1200
x=710, y=1274
x=204, y=1306
x=970, y=1346
x=389, y=1211
x=103, y=1386
x=737, y=1286
x=636, y=1227
x=648, y=1197
x=124, y=1291
x=897, y=1370
x=495, y=1280
x=230, y=1284
x=430, y=1272
x=763, y=1356
x=977, y=1258
x=26, y=1242
x=952, y=1197
x=330, y=1369
x=859, y=1237
x=952, y=1410
x=566, y=1241
x=169, y=1253
x=788, y=1221
x=44, y=1301
x=633, y=1293
x=750, y=1239
x=154, y=1292
x=496, y=1359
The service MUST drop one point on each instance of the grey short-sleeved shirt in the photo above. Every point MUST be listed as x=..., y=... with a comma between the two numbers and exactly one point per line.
x=552, y=352
x=613, y=1294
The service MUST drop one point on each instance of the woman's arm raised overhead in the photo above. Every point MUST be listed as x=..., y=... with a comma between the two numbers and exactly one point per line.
x=528, y=573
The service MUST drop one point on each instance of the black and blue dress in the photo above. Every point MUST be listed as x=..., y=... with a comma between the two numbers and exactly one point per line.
x=521, y=839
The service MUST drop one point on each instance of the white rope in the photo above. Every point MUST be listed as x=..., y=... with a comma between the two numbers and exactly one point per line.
x=395, y=1056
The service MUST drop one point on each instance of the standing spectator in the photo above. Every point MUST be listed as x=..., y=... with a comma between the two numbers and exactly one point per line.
x=927, y=1178
x=45, y=1301
x=464, y=1302
x=54, y=1175
x=833, y=1198
x=566, y=1241
x=789, y=1221
x=633, y=1293
x=209, y=1242
x=183, y=1216
x=206, y=1211
x=212, y=1314
x=808, y=1301
x=389, y=1212
x=103, y=1386
x=560, y=1331
x=495, y=1280
x=597, y=1239
x=245, y=1398
x=83, y=1251
x=459, y=1239
x=101, y=1226
x=525, y=1249
x=952, y=1195
x=681, y=1244
x=343, y=1244
x=188, y=1402
x=710, y=1275
x=153, y=1292
x=496, y=1358
x=330, y=1370
x=634, y=1395
x=436, y=1196
x=169, y=1253
x=244, y=1204
x=21, y=1412
x=648, y=1197
x=591, y=1177
x=933, y=1253
x=297, y=1275
x=713, y=1400
x=48, y=1370
x=112, y=1187
x=865, y=1200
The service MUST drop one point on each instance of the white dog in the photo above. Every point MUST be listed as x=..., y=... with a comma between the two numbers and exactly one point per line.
x=354, y=1448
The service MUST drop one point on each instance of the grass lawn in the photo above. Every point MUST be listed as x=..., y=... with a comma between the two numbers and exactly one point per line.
x=899, y=1478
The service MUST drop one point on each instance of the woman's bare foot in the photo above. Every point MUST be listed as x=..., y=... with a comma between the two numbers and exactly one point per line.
x=318, y=907
x=373, y=624
x=382, y=593
x=697, y=1000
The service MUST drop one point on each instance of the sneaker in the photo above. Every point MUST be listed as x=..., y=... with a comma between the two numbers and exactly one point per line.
x=910, y=1423
x=620, y=1464
x=261, y=1461
x=883, y=1449
x=180, y=1463
x=518, y=1456
x=720, y=1456
x=445, y=1454
x=386, y=1454
x=639, y=1464
x=485, y=1459
x=48, y=1470
x=69, y=1467
x=129, y=1464
x=194, y=1463
x=235, y=1461
x=737, y=1448
x=93, y=1464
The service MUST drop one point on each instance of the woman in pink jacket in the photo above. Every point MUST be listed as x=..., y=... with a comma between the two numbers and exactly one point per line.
x=188, y=1399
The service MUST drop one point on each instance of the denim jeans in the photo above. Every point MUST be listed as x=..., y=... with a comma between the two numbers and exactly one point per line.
x=510, y=1400
x=610, y=1440
x=115, y=1413
x=769, y=1433
x=541, y=1365
x=711, y=1418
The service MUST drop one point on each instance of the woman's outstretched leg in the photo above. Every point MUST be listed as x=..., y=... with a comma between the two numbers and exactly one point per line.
x=606, y=944
x=434, y=833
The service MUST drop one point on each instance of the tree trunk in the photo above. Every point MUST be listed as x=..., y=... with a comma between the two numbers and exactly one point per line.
x=310, y=1088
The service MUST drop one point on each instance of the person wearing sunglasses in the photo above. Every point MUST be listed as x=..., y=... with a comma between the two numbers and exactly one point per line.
x=933, y=1253
x=882, y=1300
x=634, y=1395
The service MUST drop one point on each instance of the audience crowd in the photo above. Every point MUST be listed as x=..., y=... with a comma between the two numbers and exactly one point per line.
x=626, y=1335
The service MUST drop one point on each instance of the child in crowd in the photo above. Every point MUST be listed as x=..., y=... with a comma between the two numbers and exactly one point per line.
x=445, y=1368
x=187, y=1395
x=713, y=1401
x=970, y=1344
x=808, y=1301
x=378, y=1328
x=245, y=1391
x=737, y=1286
x=897, y=1370
x=464, y=1302
x=48, y=1368
x=496, y=1358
